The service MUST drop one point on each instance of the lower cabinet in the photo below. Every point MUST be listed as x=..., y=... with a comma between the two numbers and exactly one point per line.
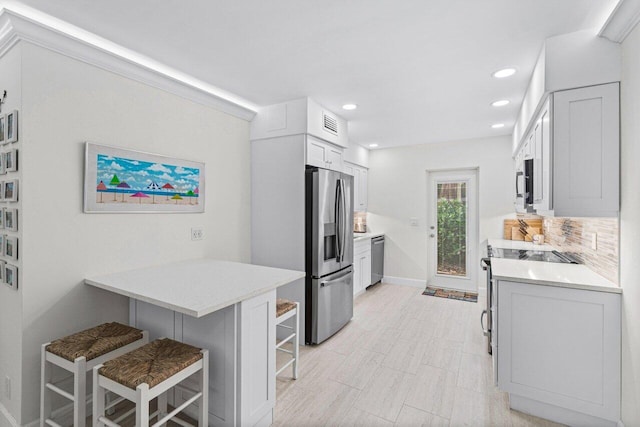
x=241, y=344
x=559, y=352
x=361, y=265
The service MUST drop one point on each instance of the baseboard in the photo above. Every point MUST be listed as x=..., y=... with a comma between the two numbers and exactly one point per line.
x=557, y=413
x=8, y=417
x=416, y=283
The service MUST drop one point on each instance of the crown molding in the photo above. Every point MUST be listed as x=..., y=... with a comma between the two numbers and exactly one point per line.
x=622, y=21
x=22, y=23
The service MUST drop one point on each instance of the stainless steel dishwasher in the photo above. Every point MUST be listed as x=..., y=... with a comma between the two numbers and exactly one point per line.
x=377, y=259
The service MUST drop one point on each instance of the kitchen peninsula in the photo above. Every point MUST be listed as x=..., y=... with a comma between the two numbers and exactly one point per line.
x=225, y=307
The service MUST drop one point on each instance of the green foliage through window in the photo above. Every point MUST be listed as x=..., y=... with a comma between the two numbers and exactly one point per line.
x=452, y=236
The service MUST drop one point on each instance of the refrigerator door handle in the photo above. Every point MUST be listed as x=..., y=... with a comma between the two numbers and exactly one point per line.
x=336, y=280
x=343, y=228
x=337, y=221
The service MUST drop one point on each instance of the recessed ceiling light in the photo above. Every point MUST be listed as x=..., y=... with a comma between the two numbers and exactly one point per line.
x=373, y=145
x=498, y=125
x=349, y=106
x=505, y=72
x=500, y=103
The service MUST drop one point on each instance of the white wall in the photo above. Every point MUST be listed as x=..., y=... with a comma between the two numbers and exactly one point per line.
x=630, y=228
x=398, y=191
x=11, y=300
x=65, y=103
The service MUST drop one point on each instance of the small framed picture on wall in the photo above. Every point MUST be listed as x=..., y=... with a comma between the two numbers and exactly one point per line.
x=11, y=276
x=10, y=219
x=3, y=120
x=2, y=264
x=2, y=238
x=11, y=247
x=2, y=160
x=10, y=190
x=10, y=161
x=11, y=127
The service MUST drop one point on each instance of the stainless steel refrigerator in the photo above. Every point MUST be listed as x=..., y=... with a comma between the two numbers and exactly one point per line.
x=329, y=252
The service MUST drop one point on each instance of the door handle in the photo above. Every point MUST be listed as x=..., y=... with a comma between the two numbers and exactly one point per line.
x=485, y=332
x=346, y=219
x=337, y=221
x=336, y=280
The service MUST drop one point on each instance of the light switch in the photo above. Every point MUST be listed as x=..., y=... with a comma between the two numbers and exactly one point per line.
x=413, y=222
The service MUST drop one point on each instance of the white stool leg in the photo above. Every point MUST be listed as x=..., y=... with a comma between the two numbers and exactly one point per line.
x=142, y=405
x=80, y=392
x=203, y=414
x=98, y=399
x=45, y=395
x=162, y=405
x=296, y=342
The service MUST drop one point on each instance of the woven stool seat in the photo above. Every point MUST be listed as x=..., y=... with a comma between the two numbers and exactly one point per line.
x=283, y=306
x=151, y=364
x=94, y=342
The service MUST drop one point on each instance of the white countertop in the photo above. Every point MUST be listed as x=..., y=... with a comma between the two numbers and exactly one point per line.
x=518, y=244
x=196, y=287
x=574, y=276
x=363, y=236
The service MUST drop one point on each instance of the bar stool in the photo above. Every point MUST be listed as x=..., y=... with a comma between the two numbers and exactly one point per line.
x=149, y=372
x=285, y=310
x=78, y=354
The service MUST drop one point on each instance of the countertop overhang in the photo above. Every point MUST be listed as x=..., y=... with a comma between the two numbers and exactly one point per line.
x=574, y=276
x=363, y=236
x=196, y=287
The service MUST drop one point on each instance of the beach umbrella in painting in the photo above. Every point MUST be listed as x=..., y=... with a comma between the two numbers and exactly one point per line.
x=153, y=187
x=101, y=187
x=190, y=194
x=123, y=185
x=114, y=183
x=176, y=197
x=140, y=195
x=168, y=187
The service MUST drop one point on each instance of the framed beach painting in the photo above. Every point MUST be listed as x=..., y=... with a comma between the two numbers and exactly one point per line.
x=122, y=180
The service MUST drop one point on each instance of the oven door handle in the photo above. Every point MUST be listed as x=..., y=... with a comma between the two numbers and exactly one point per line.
x=485, y=332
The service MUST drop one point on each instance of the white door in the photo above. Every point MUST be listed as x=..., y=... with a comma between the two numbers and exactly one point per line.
x=452, y=204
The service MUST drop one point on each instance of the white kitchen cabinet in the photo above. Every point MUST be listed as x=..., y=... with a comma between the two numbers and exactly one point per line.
x=558, y=352
x=323, y=154
x=575, y=143
x=586, y=151
x=363, y=190
x=361, y=265
x=239, y=336
x=360, y=185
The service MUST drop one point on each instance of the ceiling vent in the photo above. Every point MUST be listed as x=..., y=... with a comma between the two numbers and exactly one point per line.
x=329, y=123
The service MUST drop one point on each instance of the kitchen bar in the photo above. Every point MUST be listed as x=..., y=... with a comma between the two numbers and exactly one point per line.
x=224, y=307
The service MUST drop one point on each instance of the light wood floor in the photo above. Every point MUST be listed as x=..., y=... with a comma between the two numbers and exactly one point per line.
x=404, y=360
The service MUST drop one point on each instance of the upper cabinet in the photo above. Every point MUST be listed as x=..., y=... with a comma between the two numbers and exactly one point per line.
x=300, y=116
x=586, y=151
x=574, y=142
x=360, y=185
x=323, y=155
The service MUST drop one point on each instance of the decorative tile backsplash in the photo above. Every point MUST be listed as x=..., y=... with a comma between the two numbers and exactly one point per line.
x=575, y=235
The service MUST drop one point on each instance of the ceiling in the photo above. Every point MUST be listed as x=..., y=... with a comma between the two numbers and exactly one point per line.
x=419, y=70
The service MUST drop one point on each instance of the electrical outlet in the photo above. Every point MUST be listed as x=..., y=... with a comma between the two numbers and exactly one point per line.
x=7, y=387
x=197, y=233
x=594, y=241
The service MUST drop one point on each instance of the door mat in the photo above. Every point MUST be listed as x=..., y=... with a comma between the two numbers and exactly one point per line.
x=451, y=294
